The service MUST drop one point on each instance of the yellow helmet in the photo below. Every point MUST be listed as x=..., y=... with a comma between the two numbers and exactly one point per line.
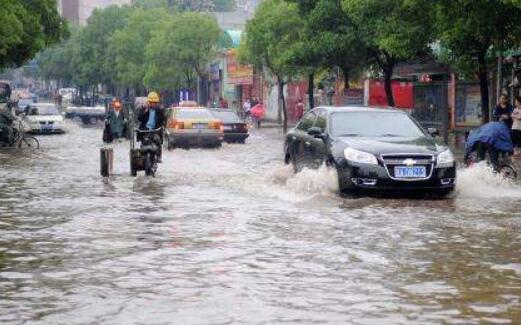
x=153, y=98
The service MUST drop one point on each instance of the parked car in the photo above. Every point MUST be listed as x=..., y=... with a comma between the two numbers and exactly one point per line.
x=235, y=130
x=189, y=127
x=44, y=119
x=21, y=105
x=88, y=115
x=372, y=149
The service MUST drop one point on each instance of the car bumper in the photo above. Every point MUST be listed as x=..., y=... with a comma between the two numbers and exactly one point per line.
x=377, y=178
x=195, y=138
x=235, y=137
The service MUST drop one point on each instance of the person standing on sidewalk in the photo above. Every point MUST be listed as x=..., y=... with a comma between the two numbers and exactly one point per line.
x=516, y=125
x=503, y=111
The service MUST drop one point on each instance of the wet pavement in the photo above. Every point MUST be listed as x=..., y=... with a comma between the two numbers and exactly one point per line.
x=231, y=236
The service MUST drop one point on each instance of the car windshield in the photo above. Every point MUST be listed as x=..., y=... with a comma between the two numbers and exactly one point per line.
x=22, y=103
x=47, y=110
x=194, y=114
x=374, y=124
x=226, y=116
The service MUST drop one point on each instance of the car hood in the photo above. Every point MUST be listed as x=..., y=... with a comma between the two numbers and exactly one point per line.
x=44, y=118
x=389, y=145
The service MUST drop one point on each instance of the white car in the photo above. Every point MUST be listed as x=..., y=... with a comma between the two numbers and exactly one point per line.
x=44, y=119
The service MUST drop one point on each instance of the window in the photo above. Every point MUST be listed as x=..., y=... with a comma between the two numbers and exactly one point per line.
x=321, y=121
x=307, y=121
x=374, y=124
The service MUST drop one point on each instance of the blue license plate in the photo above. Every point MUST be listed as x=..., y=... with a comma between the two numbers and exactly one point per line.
x=46, y=127
x=410, y=172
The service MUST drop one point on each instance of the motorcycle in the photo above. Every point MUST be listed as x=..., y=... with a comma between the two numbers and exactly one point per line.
x=147, y=156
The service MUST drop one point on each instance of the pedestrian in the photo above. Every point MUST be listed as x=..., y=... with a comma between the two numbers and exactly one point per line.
x=516, y=125
x=257, y=113
x=223, y=103
x=299, y=110
x=246, y=107
x=117, y=121
x=503, y=111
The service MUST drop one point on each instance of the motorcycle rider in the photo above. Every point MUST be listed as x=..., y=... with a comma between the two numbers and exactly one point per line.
x=152, y=117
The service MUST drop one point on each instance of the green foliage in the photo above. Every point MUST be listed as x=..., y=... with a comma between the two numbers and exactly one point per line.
x=273, y=38
x=467, y=28
x=127, y=45
x=185, y=45
x=26, y=27
x=392, y=31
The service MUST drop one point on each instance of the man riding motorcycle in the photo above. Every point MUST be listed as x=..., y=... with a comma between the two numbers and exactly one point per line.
x=152, y=117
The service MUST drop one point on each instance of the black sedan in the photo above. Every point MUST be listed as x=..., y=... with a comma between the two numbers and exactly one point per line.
x=372, y=150
x=235, y=130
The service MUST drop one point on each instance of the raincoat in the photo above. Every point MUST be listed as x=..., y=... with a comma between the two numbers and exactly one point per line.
x=117, y=124
x=258, y=112
x=494, y=134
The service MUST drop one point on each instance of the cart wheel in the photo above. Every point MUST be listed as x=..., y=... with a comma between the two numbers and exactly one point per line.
x=149, y=165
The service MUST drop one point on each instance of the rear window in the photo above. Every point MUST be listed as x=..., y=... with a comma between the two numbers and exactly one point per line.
x=44, y=110
x=192, y=114
x=226, y=116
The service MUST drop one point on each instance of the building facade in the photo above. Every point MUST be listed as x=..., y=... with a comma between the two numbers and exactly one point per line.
x=78, y=11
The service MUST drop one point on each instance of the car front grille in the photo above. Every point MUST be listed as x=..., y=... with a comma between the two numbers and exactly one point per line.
x=408, y=160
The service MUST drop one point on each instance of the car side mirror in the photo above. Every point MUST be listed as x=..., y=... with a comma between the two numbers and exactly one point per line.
x=316, y=132
x=433, y=132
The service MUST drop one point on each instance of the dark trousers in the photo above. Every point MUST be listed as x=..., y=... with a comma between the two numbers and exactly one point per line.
x=482, y=149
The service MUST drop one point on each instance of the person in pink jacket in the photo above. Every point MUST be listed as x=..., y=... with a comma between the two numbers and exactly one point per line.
x=258, y=112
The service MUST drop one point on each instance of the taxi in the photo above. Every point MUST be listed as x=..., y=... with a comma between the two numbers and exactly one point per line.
x=189, y=125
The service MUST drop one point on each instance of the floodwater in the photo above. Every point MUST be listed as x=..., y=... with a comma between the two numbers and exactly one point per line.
x=231, y=236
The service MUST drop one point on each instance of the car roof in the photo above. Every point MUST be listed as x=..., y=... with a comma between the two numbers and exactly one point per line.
x=343, y=109
x=44, y=105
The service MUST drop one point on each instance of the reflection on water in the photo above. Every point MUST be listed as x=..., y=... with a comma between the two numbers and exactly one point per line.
x=232, y=236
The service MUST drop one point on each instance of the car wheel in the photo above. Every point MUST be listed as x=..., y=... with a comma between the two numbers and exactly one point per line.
x=344, y=185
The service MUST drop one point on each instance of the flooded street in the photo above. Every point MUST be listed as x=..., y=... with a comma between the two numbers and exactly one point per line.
x=231, y=236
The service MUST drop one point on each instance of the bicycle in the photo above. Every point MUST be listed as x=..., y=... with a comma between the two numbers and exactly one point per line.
x=21, y=140
x=503, y=167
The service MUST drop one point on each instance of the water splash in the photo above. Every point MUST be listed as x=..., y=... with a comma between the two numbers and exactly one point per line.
x=306, y=184
x=479, y=181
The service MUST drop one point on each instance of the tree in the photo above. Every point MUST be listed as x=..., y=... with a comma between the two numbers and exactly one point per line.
x=95, y=62
x=330, y=41
x=392, y=31
x=185, y=45
x=127, y=45
x=26, y=27
x=468, y=30
x=272, y=39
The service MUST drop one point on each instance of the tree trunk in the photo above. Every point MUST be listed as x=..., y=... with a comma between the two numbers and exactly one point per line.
x=483, y=85
x=388, y=75
x=311, y=88
x=345, y=73
x=283, y=102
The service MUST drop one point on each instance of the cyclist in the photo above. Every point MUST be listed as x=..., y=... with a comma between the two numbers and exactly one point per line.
x=6, y=124
x=493, y=139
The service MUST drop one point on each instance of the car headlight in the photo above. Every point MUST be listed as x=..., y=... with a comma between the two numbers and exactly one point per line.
x=360, y=157
x=446, y=159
